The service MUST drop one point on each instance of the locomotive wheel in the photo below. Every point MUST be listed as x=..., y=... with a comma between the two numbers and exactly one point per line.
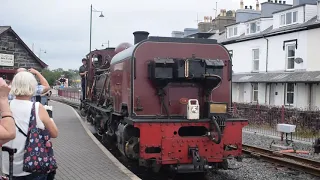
x=83, y=113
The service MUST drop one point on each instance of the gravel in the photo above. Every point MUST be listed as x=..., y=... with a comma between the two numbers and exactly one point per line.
x=254, y=169
x=263, y=141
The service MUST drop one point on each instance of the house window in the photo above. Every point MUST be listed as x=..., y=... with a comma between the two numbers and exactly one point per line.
x=255, y=58
x=290, y=54
x=289, y=18
x=233, y=31
x=230, y=32
x=290, y=93
x=282, y=19
x=294, y=16
x=248, y=25
x=254, y=27
x=255, y=92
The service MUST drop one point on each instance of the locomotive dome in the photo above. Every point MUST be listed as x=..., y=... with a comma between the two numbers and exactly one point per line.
x=122, y=47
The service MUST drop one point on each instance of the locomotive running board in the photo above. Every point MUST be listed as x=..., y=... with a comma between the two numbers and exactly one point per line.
x=100, y=108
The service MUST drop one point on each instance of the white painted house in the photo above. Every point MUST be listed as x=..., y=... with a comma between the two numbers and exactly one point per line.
x=276, y=58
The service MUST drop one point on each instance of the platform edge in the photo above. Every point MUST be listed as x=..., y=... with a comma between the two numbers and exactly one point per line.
x=114, y=160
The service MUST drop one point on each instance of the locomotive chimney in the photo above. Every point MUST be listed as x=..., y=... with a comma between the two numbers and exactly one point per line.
x=140, y=36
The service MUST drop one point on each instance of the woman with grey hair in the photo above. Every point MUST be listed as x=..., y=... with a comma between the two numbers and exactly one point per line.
x=23, y=87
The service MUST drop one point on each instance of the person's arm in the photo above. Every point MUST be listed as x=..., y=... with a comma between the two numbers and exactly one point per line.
x=7, y=125
x=48, y=122
x=43, y=81
x=82, y=71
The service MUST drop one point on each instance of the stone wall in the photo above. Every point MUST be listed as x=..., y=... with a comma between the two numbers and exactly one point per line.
x=22, y=58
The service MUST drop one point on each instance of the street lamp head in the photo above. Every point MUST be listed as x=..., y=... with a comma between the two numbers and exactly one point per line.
x=101, y=15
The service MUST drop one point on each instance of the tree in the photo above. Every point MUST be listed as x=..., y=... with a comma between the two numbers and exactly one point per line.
x=54, y=75
x=51, y=76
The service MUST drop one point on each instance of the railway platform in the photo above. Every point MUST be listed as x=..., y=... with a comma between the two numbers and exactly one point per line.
x=79, y=154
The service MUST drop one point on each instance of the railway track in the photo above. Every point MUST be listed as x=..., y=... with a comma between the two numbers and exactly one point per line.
x=284, y=159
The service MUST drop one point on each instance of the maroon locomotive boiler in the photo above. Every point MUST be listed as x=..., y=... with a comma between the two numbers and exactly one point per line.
x=164, y=102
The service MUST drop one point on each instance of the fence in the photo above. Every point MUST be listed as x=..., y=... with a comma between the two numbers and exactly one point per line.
x=73, y=94
x=264, y=119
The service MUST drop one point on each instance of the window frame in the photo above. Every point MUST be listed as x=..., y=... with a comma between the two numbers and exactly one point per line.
x=255, y=90
x=283, y=18
x=254, y=60
x=287, y=56
x=232, y=31
x=289, y=92
x=257, y=29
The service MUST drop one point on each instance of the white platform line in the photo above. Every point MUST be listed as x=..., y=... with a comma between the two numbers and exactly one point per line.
x=114, y=160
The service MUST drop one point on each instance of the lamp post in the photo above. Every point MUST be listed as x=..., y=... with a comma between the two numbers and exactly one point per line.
x=41, y=50
x=101, y=15
x=105, y=43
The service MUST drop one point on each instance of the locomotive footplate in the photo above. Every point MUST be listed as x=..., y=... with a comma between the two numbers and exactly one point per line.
x=199, y=164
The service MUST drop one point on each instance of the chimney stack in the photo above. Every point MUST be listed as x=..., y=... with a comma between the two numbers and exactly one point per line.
x=140, y=36
x=246, y=7
x=284, y=2
x=250, y=7
x=241, y=4
x=275, y=1
x=257, y=6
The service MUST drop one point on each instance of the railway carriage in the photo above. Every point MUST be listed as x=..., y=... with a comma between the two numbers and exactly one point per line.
x=164, y=103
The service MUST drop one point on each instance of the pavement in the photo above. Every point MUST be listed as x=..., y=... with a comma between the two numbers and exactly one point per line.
x=79, y=154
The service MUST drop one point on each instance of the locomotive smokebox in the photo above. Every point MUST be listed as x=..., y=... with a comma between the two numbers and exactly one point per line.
x=140, y=36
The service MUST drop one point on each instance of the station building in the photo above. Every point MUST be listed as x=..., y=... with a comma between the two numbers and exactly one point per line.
x=14, y=54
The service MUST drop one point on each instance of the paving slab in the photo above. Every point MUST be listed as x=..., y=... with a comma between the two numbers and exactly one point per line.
x=79, y=154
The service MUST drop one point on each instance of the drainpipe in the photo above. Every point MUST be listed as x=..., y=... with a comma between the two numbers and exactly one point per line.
x=310, y=96
x=270, y=94
x=267, y=56
x=265, y=94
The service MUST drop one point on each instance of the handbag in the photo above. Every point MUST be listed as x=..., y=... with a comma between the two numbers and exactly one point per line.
x=38, y=152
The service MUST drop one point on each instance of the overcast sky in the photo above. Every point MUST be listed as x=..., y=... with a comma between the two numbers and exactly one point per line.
x=61, y=27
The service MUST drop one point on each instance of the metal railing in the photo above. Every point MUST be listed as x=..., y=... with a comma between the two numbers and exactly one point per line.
x=264, y=119
x=73, y=94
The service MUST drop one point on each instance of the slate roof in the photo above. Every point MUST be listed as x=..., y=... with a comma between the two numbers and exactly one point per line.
x=3, y=29
x=270, y=31
x=8, y=28
x=280, y=77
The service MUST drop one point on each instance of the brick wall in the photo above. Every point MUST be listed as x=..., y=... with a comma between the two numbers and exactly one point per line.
x=10, y=45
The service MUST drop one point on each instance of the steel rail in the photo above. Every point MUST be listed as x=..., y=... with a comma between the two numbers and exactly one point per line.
x=287, y=160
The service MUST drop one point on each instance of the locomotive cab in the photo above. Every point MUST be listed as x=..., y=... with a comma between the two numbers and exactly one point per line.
x=205, y=73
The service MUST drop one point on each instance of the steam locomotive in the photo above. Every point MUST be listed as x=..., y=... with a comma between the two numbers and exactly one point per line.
x=163, y=102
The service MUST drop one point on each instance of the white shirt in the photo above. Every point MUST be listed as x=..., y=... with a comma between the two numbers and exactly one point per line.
x=21, y=111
